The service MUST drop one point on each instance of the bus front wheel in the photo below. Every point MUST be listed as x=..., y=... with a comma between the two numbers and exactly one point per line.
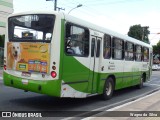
x=108, y=89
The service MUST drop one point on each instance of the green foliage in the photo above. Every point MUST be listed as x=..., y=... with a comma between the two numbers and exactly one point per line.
x=139, y=32
x=156, y=49
x=156, y=53
x=2, y=38
x=135, y=31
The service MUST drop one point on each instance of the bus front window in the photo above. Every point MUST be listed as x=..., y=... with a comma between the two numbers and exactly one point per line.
x=31, y=28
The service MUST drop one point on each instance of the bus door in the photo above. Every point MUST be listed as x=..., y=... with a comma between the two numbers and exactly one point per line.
x=94, y=63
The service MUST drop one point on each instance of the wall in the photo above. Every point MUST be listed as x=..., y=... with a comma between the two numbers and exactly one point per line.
x=6, y=8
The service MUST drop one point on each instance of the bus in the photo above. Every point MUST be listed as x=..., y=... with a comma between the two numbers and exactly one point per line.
x=55, y=54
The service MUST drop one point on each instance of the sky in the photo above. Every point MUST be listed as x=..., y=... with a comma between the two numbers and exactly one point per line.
x=116, y=15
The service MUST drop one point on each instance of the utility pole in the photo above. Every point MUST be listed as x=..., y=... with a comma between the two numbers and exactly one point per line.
x=143, y=31
x=60, y=8
x=55, y=4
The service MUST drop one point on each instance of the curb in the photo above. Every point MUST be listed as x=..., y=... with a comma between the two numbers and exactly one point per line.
x=127, y=100
x=102, y=110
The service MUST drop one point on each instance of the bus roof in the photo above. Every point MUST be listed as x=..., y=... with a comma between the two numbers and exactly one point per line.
x=105, y=30
x=86, y=24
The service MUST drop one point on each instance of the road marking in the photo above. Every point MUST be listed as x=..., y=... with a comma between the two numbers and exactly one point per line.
x=123, y=105
x=117, y=105
x=1, y=78
x=154, y=79
x=152, y=84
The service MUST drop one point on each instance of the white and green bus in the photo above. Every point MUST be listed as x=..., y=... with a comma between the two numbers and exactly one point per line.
x=58, y=55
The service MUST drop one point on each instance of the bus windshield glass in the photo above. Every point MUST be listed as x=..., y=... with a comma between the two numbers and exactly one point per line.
x=31, y=28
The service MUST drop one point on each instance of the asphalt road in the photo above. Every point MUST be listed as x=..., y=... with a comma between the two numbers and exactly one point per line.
x=12, y=99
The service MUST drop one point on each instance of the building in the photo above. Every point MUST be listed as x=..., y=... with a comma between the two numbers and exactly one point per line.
x=6, y=8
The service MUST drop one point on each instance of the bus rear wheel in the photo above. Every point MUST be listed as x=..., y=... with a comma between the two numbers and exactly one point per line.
x=140, y=85
x=108, y=89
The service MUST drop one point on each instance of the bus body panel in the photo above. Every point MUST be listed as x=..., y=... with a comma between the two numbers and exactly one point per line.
x=48, y=87
x=77, y=76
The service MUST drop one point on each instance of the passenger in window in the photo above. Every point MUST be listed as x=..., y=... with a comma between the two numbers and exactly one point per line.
x=145, y=55
x=139, y=57
x=76, y=48
x=107, y=53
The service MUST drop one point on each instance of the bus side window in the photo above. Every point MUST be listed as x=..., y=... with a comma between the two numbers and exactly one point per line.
x=146, y=54
x=92, y=47
x=98, y=48
x=107, y=47
x=77, y=40
x=138, y=53
x=117, y=49
x=129, y=51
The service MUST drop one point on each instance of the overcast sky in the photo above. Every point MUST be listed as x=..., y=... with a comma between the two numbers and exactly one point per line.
x=117, y=15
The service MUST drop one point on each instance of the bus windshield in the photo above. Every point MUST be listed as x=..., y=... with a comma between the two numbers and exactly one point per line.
x=31, y=28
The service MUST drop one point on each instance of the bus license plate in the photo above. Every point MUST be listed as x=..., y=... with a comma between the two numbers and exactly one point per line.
x=25, y=81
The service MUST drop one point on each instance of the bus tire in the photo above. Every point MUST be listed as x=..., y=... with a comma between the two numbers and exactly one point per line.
x=140, y=85
x=108, y=89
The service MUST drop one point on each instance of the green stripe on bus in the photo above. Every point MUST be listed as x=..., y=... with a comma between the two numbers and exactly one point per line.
x=7, y=4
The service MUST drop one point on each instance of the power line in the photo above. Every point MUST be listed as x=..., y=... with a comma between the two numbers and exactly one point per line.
x=103, y=2
x=68, y=4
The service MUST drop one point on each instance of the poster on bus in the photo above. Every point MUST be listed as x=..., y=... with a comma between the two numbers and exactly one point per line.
x=28, y=57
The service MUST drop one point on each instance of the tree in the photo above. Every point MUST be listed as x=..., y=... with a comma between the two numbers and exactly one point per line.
x=139, y=32
x=156, y=48
x=2, y=37
x=156, y=52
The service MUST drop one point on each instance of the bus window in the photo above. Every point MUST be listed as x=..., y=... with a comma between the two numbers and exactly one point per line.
x=31, y=28
x=129, y=51
x=146, y=54
x=107, y=47
x=98, y=48
x=48, y=36
x=117, y=49
x=93, y=47
x=77, y=40
x=138, y=53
